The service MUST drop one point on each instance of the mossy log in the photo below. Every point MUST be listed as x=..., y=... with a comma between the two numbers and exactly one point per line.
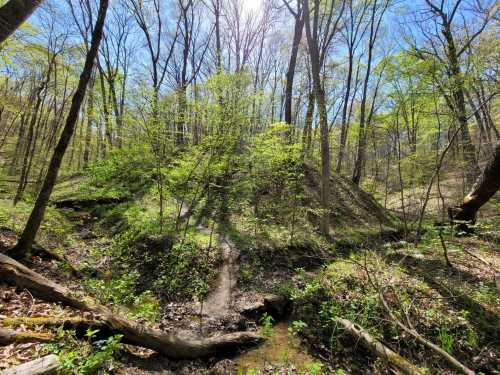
x=8, y=336
x=133, y=333
x=379, y=349
x=32, y=321
x=42, y=366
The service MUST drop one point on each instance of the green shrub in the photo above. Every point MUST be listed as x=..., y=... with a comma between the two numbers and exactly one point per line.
x=123, y=173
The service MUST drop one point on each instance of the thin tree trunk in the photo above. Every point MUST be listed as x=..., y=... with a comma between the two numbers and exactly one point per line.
x=297, y=36
x=28, y=236
x=343, y=129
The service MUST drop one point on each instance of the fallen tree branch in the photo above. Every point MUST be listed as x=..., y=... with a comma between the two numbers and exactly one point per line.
x=379, y=349
x=447, y=357
x=42, y=366
x=8, y=336
x=443, y=354
x=133, y=333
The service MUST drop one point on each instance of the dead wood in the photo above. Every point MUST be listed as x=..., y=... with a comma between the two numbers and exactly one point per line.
x=8, y=336
x=379, y=349
x=42, y=366
x=133, y=333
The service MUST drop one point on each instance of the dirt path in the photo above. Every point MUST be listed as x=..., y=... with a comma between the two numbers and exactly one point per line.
x=219, y=301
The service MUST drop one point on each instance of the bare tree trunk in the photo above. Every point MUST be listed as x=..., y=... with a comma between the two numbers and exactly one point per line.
x=297, y=36
x=374, y=27
x=28, y=236
x=306, y=136
x=343, y=129
x=484, y=188
x=90, y=123
x=13, y=14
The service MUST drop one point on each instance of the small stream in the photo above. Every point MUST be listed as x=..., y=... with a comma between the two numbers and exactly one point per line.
x=281, y=348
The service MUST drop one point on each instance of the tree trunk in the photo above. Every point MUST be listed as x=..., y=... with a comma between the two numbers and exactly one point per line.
x=90, y=123
x=459, y=109
x=28, y=236
x=343, y=129
x=484, y=188
x=133, y=333
x=319, y=94
x=107, y=123
x=297, y=36
x=307, y=134
x=13, y=14
x=181, y=116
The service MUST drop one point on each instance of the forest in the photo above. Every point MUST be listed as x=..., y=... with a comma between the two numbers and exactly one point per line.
x=249, y=187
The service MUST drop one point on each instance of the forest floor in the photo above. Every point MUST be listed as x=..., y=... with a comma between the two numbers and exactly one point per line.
x=289, y=294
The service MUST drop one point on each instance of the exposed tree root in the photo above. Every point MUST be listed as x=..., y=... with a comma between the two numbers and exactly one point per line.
x=8, y=336
x=133, y=333
x=379, y=349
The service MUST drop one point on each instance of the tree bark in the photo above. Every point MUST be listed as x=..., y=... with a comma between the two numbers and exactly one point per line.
x=307, y=134
x=484, y=188
x=297, y=36
x=28, y=236
x=319, y=94
x=13, y=14
x=8, y=336
x=47, y=365
x=379, y=349
x=90, y=123
x=134, y=333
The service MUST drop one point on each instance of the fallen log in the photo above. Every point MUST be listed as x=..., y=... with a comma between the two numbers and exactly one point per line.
x=8, y=336
x=452, y=361
x=133, y=333
x=42, y=366
x=31, y=321
x=379, y=349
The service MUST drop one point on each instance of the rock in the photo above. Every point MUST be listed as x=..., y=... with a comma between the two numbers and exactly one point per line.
x=224, y=367
x=273, y=304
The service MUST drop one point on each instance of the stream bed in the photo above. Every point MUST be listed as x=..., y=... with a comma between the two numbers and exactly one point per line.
x=281, y=348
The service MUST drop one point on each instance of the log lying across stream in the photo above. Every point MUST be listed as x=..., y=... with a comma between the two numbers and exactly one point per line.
x=133, y=333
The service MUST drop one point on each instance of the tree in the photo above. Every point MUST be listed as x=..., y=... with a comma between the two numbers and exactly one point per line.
x=13, y=14
x=484, y=188
x=377, y=13
x=448, y=50
x=35, y=219
x=319, y=42
x=352, y=32
x=299, y=19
